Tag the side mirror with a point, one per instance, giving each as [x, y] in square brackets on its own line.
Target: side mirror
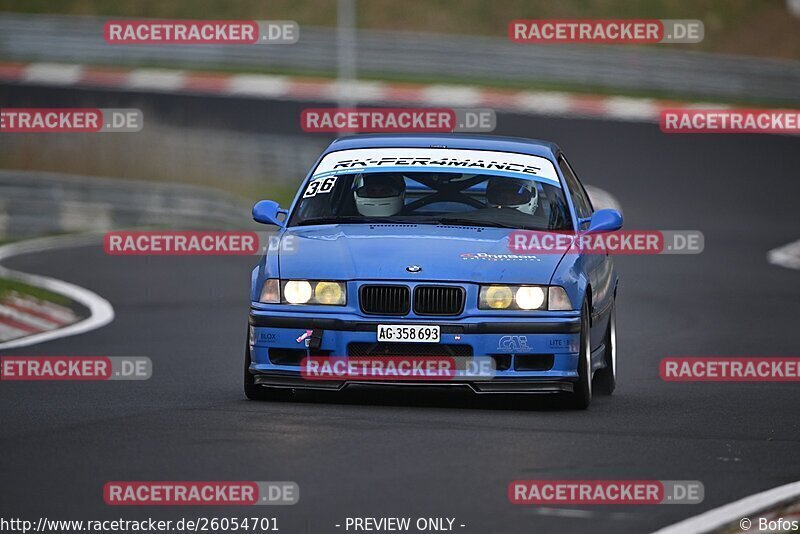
[605, 221]
[269, 212]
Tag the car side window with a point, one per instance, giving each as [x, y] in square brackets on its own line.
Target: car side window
[579, 196]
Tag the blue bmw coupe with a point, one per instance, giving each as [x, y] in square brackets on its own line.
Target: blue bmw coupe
[401, 246]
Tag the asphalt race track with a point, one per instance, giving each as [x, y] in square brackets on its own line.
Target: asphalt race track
[429, 453]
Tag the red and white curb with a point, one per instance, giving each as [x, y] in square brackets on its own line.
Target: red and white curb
[362, 92]
[741, 511]
[27, 321]
[23, 315]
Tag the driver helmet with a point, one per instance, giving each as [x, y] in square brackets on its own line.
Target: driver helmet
[380, 194]
[521, 195]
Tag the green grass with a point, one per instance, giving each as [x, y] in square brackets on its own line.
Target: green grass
[7, 286]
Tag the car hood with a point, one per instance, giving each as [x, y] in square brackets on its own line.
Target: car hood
[384, 251]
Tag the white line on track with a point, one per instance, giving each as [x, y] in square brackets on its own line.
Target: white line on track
[100, 310]
[565, 512]
[734, 511]
[786, 256]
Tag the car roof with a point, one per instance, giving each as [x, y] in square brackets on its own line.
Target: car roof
[519, 145]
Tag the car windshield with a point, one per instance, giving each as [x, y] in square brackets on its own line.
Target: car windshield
[433, 198]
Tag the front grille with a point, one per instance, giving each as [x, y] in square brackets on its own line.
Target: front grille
[438, 300]
[407, 349]
[384, 300]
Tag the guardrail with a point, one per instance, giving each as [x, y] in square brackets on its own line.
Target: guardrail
[37, 203]
[245, 163]
[456, 57]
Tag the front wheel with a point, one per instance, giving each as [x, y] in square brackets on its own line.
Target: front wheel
[605, 379]
[581, 396]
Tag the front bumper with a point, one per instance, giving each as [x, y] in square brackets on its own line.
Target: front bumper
[533, 354]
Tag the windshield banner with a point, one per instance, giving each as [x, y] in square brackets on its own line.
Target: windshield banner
[437, 159]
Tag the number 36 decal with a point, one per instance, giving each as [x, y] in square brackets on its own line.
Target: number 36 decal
[320, 186]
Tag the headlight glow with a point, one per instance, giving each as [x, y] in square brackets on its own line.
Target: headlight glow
[329, 293]
[323, 292]
[519, 297]
[297, 292]
[530, 297]
[497, 297]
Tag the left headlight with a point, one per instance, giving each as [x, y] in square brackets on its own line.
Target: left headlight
[314, 292]
[525, 298]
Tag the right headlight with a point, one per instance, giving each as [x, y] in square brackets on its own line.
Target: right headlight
[324, 292]
[523, 297]
[331, 293]
[297, 292]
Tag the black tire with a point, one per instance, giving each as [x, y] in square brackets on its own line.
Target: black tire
[605, 379]
[581, 396]
[256, 392]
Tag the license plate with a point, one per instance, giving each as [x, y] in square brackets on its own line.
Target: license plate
[408, 333]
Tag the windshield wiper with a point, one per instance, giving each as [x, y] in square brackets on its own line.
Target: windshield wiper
[354, 219]
[346, 219]
[473, 222]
